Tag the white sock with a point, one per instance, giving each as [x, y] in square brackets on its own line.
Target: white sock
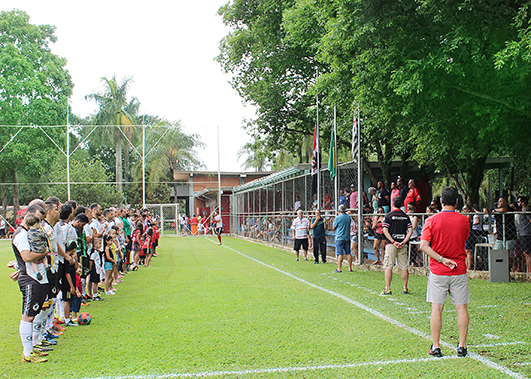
[26, 331]
[61, 309]
[37, 328]
[84, 286]
[49, 319]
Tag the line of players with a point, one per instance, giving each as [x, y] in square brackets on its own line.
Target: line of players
[64, 253]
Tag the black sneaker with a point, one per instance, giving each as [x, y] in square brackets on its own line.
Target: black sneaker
[435, 352]
[461, 351]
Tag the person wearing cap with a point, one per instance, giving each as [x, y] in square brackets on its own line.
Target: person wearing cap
[342, 228]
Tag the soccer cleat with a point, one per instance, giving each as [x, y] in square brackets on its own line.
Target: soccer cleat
[461, 351]
[48, 343]
[39, 353]
[405, 291]
[385, 292]
[58, 328]
[337, 271]
[50, 335]
[42, 348]
[33, 358]
[435, 352]
[70, 323]
[58, 320]
[315, 262]
[98, 298]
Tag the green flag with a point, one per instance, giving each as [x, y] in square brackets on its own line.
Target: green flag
[332, 159]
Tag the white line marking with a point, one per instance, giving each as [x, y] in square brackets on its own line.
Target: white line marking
[491, 336]
[487, 306]
[523, 364]
[487, 362]
[499, 344]
[273, 370]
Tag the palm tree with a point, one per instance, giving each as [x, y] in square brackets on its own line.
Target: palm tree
[116, 110]
[255, 155]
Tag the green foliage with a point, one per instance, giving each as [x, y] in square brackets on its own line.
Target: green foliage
[85, 173]
[34, 88]
[444, 83]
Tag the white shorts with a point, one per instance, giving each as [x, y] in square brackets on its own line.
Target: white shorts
[439, 286]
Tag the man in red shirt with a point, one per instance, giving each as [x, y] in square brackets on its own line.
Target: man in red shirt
[443, 240]
[412, 196]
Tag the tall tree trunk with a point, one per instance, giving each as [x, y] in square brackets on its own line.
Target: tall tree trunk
[119, 170]
[16, 205]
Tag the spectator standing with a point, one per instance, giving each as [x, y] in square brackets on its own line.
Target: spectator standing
[342, 238]
[525, 231]
[353, 197]
[412, 196]
[443, 240]
[505, 228]
[379, 237]
[394, 191]
[2, 227]
[300, 229]
[318, 227]
[397, 229]
[402, 190]
[384, 197]
[374, 199]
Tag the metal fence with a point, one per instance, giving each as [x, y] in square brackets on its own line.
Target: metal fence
[266, 215]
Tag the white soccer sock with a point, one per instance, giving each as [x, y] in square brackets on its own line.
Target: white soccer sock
[61, 309]
[49, 319]
[84, 287]
[37, 328]
[26, 331]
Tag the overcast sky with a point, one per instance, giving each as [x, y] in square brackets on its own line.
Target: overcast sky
[167, 47]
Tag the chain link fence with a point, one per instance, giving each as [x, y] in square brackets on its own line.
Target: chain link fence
[265, 213]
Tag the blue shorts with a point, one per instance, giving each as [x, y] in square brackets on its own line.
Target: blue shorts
[107, 266]
[343, 247]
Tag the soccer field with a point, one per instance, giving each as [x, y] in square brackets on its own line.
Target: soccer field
[243, 310]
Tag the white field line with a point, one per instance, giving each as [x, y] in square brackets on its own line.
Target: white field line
[487, 362]
[499, 344]
[273, 370]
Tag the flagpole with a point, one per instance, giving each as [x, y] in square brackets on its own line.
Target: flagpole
[318, 160]
[335, 160]
[360, 190]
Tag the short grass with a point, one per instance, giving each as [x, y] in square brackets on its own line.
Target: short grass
[207, 309]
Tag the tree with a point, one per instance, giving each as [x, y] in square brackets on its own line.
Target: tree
[85, 173]
[269, 72]
[34, 88]
[116, 110]
[255, 154]
[168, 150]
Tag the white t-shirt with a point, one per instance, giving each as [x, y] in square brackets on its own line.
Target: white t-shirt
[301, 227]
[61, 230]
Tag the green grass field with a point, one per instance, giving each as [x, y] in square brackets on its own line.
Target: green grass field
[244, 310]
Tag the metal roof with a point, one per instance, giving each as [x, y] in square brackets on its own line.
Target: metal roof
[270, 179]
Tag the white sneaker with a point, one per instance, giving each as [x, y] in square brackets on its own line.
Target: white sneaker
[110, 293]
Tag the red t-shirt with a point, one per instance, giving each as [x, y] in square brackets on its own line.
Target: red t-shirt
[412, 197]
[447, 232]
[156, 234]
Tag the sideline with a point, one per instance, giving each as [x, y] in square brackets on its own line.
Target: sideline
[487, 362]
[273, 370]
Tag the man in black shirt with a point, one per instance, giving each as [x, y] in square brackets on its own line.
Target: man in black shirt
[397, 229]
[383, 197]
